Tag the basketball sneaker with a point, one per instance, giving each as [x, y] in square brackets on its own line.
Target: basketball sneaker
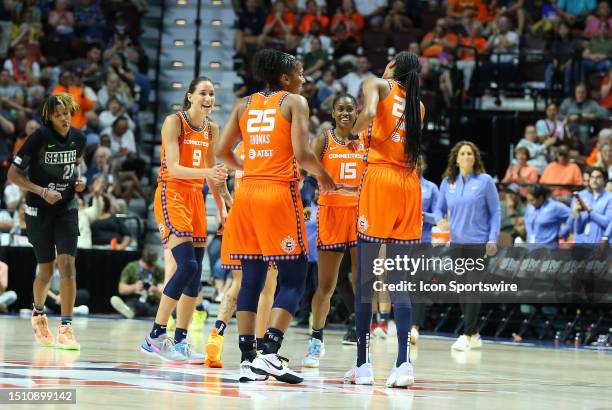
[66, 339]
[462, 343]
[248, 375]
[475, 341]
[213, 349]
[42, 333]
[120, 306]
[276, 366]
[414, 336]
[350, 337]
[186, 350]
[402, 376]
[163, 347]
[316, 350]
[197, 322]
[360, 375]
[381, 330]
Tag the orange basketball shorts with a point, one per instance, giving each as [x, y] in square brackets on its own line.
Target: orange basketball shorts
[266, 222]
[336, 229]
[390, 209]
[180, 211]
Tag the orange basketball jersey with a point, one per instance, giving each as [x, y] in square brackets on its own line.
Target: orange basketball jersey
[266, 136]
[344, 166]
[386, 135]
[193, 147]
[238, 175]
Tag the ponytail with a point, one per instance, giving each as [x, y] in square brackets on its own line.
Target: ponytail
[407, 69]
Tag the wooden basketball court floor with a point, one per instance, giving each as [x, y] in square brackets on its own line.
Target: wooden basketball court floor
[110, 372]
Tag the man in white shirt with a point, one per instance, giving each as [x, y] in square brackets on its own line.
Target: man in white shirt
[372, 10]
[352, 81]
[503, 40]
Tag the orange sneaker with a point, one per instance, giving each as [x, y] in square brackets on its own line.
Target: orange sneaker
[41, 330]
[66, 339]
[213, 349]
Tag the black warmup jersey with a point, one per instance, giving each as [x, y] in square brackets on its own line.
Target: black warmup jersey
[50, 161]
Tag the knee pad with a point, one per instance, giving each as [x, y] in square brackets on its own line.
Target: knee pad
[193, 286]
[254, 274]
[291, 283]
[186, 270]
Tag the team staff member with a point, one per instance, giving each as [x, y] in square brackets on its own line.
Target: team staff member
[469, 195]
[45, 168]
[544, 217]
[591, 223]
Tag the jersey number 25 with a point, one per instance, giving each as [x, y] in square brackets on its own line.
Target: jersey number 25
[261, 120]
[398, 106]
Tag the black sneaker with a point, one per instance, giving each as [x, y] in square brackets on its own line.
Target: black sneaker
[275, 366]
[350, 337]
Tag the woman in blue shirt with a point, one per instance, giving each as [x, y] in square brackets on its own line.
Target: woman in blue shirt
[544, 216]
[470, 197]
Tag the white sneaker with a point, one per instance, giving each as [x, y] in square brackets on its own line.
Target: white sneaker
[82, 310]
[316, 350]
[274, 365]
[121, 307]
[414, 336]
[462, 344]
[248, 375]
[402, 376]
[475, 341]
[360, 375]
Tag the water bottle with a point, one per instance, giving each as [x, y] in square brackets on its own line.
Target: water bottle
[577, 340]
[557, 338]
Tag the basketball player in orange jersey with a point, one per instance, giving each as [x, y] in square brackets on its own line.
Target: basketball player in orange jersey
[187, 159]
[389, 209]
[336, 216]
[214, 345]
[267, 221]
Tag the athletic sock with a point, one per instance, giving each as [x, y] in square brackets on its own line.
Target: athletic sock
[317, 334]
[383, 317]
[66, 320]
[363, 336]
[403, 321]
[157, 331]
[180, 334]
[220, 325]
[272, 341]
[38, 311]
[247, 346]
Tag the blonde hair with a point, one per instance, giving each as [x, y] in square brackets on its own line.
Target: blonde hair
[59, 100]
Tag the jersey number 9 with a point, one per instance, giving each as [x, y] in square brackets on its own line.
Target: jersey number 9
[197, 157]
[261, 120]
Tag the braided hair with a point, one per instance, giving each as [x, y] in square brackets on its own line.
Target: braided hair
[268, 65]
[52, 103]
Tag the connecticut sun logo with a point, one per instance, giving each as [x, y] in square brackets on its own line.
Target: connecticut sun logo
[162, 229]
[288, 244]
[395, 137]
[362, 223]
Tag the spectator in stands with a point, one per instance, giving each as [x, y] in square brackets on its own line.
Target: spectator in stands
[604, 137]
[27, 26]
[114, 109]
[140, 287]
[89, 93]
[7, 129]
[7, 297]
[100, 167]
[595, 23]
[477, 44]
[544, 216]
[61, 19]
[605, 158]
[23, 67]
[122, 138]
[457, 9]
[596, 55]
[35, 96]
[279, 28]
[511, 207]
[6, 25]
[439, 40]
[575, 12]
[349, 18]
[54, 297]
[538, 152]
[88, 214]
[327, 88]
[127, 72]
[503, 40]
[315, 32]
[12, 99]
[89, 20]
[312, 14]
[590, 222]
[249, 27]
[564, 51]
[548, 18]
[67, 85]
[397, 20]
[511, 9]
[521, 172]
[12, 196]
[352, 81]
[108, 229]
[372, 11]
[562, 172]
[581, 111]
[315, 60]
[31, 126]
[606, 91]
[114, 87]
[551, 126]
[90, 66]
